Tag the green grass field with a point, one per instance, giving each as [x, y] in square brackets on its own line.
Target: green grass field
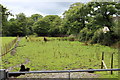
[59, 55]
[5, 40]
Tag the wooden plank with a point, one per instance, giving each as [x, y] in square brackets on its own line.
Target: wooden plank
[104, 64]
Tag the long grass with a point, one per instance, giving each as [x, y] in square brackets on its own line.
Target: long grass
[5, 40]
[60, 55]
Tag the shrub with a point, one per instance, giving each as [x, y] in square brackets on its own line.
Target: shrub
[85, 34]
[103, 38]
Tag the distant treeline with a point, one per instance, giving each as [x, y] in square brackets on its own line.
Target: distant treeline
[84, 21]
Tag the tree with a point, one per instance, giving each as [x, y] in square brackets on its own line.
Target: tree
[14, 29]
[36, 17]
[30, 23]
[90, 17]
[4, 13]
[22, 23]
[18, 26]
[54, 24]
[74, 18]
[102, 15]
[41, 27]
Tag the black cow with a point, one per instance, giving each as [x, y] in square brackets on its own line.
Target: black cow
[23, 68]
[45, 39]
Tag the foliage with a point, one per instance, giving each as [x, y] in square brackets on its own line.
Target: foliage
[116, 28]
[50, 25]
[4, 13]
[41, 27]
[85, 34]
[90, 17]
[14, 28]
[36, 17]
[103, 38]
[55, 26]
[18, 26]
[30, 22]
[73, 18]
[80, 19]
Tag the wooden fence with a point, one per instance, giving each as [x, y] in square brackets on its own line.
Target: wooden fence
[103, 65]
[6, 47]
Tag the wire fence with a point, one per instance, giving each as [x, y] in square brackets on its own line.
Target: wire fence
[6, 47]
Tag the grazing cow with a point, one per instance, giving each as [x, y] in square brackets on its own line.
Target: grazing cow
[45, 39]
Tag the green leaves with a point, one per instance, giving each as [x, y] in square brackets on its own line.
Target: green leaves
[4, 13]
[89, 17]
[76, 20]
[74, 17]
[41, 27]
[36, 17]
[48, 25]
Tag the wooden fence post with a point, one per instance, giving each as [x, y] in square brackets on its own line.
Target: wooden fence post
[5, 47]
[102, 60]
[112, 63]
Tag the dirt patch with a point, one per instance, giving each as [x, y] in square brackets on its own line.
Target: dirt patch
[61, 75]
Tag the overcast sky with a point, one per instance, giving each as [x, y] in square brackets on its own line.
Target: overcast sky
[44, 7]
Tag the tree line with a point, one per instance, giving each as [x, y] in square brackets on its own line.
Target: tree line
[85, 21]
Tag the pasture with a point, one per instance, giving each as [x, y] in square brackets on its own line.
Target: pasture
[6, 40]
[56, 54]
[3, 41]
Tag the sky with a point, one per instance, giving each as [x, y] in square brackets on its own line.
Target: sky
[43, 7]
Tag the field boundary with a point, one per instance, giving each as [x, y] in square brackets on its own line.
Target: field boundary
[8, 47]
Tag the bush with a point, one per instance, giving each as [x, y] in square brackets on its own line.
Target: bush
[103, 38]
[98, 35]
[85, 34]
[72, 37]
